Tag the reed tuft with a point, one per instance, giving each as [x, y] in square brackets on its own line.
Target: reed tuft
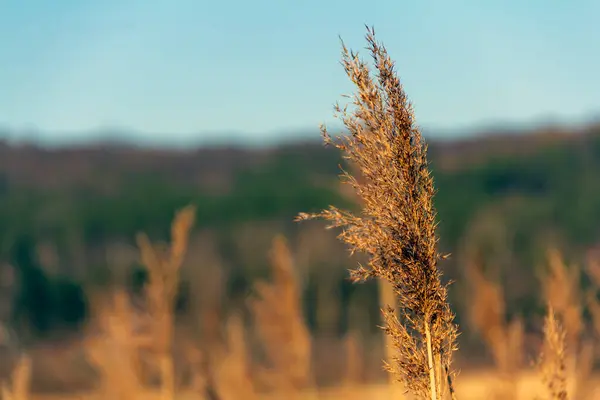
[278, 314]
[397, 225]
[552, 362]
[232, 377]
[163, 264]
[504, 339]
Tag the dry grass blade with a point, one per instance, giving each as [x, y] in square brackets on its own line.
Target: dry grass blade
[397, 225]
[562, 291]
[552, 362]
[487, 315]
[114, 352]
[232, 379]
[163, 264]
[277, 310]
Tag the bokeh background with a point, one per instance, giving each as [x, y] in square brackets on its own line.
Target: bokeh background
[115, 114]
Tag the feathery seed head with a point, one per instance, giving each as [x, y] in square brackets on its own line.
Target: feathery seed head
[398, 221]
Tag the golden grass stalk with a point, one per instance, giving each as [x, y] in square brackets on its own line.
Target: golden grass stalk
[397, 225]
[552, 362]
[163, 264]
[563, 293]
[18, 389]
[279, 321]
[231, 376]
[114, 351]
[505, 340]
[388, 300]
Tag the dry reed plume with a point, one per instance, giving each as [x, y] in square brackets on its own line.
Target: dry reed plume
[552, 361]
[396, 228]
[279, 321]
[562, 291]
[204, 316]
[231, 376]
[505, 340]
[115, 351]
[163, 264]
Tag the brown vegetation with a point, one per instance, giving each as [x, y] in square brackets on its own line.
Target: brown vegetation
[398, 221]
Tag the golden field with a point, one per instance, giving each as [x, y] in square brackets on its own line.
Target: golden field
[472, 386]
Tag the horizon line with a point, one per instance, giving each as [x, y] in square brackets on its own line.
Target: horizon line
[130, 137]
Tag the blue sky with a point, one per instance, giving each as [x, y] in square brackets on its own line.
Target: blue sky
[179, 70]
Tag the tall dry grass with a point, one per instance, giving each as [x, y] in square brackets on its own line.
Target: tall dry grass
[232, 375]
[564, 296]
[163, 264]
[116, 351]
[553, 358]
[279, 322]
[397, 225]
[503, 338]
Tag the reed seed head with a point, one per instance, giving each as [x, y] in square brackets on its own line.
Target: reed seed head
[397, 225]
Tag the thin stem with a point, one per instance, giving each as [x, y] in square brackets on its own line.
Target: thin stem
[432, 380]
[450, 383]
[438, 374]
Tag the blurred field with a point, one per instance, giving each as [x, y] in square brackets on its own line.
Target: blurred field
[473, 386]
[72, 245]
